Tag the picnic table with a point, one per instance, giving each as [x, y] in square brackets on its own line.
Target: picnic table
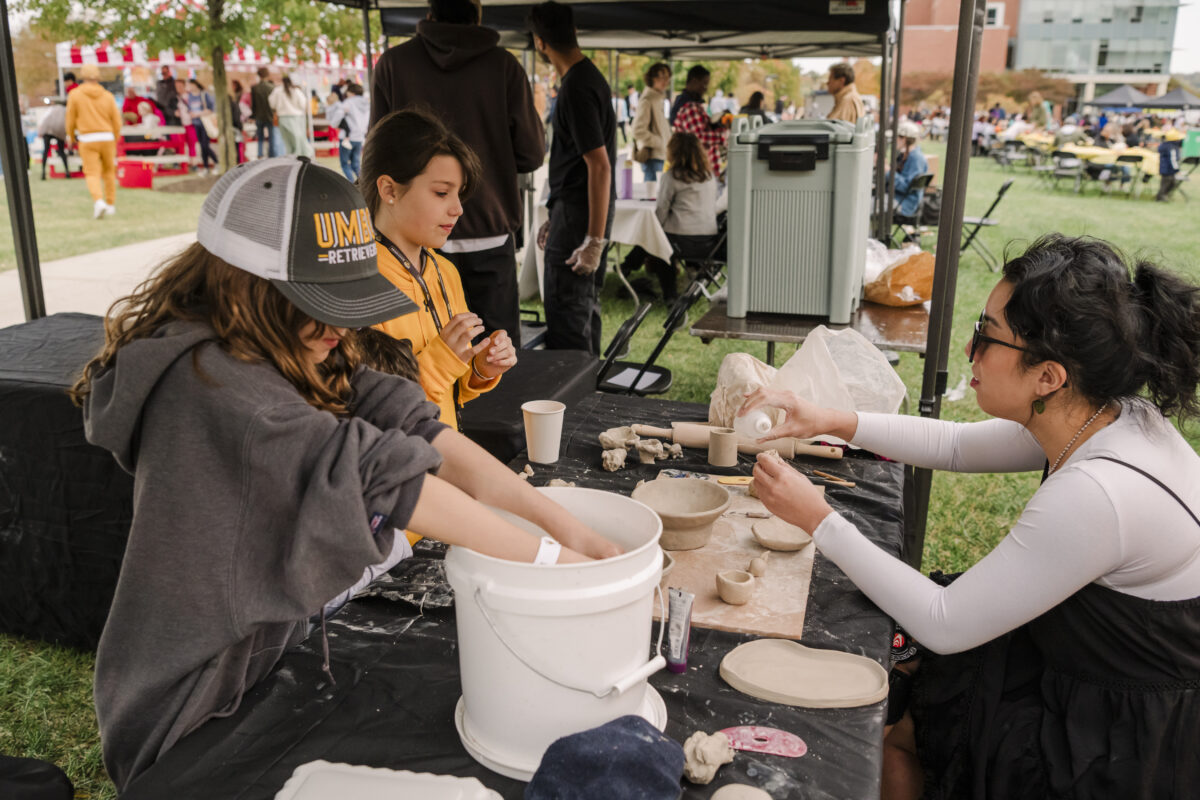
[394, 657]
[888, 328]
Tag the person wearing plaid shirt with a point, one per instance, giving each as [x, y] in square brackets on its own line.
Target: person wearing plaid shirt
[690, 116]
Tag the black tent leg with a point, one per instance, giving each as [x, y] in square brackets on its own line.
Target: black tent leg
[16, 179]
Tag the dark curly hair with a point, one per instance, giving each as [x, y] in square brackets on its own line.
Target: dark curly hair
[1074, 302]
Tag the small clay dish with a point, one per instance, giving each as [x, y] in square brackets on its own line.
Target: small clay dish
[688, 507]
[735, 586]
[668, 563]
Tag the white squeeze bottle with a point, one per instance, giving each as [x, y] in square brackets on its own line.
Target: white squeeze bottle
[754, 425]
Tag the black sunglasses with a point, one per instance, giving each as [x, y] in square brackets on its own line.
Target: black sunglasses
[979, 337]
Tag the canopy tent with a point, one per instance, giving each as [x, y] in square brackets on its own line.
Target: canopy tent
[1124, 96]
[1176, 98]
[687, 29]
[69, 55]
[677, 29]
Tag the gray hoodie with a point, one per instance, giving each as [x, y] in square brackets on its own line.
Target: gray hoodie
[251, 510]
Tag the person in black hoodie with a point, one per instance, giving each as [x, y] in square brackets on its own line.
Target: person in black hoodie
[271, 468]
[455, 68]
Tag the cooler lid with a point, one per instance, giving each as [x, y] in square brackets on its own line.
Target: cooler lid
[800, 131]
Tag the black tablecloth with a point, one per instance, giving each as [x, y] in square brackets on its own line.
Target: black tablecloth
[65, 506]
[395, 662]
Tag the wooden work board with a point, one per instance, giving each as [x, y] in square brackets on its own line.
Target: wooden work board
[781, 594]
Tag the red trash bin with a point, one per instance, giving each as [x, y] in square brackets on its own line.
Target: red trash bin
[135, 175]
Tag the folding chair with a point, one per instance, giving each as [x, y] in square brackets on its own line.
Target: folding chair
[1036, 158]
[630, 377]
[709, 266]
[975, 224]
[1069, 166]
[533, 329]
[1134, 162]
[919, 183]
[1184, 177]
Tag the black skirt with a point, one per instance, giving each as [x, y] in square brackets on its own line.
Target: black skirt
[1097, 698]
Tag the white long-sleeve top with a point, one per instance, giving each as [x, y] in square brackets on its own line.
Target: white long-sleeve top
[1091, 521]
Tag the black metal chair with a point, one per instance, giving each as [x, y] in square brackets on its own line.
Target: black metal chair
[1134, 164]
[533, 329]
[1184, 177]
[972, 226]
[644, 378]
[911, 227]
[1067, 166]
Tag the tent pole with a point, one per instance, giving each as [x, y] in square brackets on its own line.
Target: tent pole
[366, 8]
[882, 225]
[945, 272]
[16, 179]
[890, 197]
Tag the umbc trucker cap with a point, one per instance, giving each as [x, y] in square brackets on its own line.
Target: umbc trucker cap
[307, 230]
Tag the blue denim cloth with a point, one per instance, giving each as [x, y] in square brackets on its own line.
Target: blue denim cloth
[626, 759]
[651, 168]
[907, 198]
[350, 154]
[269, 134]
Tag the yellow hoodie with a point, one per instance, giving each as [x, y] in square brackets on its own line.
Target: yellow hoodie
[440, 367]
[92, 109]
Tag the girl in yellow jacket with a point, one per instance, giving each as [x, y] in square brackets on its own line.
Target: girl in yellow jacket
[414, 176]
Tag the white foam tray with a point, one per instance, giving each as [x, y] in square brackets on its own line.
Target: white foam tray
[322, 780]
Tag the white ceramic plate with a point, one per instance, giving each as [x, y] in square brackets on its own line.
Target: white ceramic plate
[322, 780]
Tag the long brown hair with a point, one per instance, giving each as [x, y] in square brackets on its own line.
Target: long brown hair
[252, 320]
[689, 162]
[402, 144]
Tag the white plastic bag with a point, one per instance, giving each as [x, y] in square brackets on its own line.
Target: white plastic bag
[841, 369]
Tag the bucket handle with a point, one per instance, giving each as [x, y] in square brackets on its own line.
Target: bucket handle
[617, 688]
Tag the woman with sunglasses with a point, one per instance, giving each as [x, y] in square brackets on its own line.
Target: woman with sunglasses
[1076, 642]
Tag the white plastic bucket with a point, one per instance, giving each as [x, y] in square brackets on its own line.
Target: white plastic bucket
[550, 650]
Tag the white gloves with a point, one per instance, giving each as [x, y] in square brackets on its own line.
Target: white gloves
[585, 260]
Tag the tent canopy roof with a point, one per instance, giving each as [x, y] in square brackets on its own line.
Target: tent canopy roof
[1176, 98]
[686, 29]
[1121, 96]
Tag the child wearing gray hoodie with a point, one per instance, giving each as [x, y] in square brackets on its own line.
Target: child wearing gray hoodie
[270, 467]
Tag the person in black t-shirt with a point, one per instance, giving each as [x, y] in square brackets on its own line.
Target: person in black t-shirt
[582, 195]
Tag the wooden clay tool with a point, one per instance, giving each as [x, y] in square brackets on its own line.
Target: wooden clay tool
[695, 434]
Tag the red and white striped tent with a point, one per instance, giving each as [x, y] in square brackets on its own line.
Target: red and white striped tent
[71, 55]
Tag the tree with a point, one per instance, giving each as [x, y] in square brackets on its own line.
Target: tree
[33, 59]
[297, 28]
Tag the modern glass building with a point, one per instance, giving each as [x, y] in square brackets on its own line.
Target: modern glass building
[1098, 44]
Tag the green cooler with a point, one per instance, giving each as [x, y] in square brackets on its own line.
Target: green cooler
[799, 207]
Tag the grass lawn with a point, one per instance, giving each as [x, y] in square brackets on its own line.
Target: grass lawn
[45, 692]
[62, 212]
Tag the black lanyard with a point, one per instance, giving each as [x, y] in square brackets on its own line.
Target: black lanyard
[429, 304]
[420, 278]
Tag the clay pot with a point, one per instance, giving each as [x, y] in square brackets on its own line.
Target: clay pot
[688, 507]
[668, 563]
[735, 586]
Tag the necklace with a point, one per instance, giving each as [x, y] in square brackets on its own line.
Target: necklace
[1075, 438]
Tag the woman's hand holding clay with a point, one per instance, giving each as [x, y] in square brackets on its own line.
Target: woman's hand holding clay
[789, 495]
[802, 419]
[460, 331]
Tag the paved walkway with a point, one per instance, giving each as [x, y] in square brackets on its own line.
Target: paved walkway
[90, 282]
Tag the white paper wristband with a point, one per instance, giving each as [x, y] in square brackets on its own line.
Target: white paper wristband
[548, 550]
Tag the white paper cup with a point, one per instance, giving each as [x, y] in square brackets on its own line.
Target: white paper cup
[543, 429]
[651, 190]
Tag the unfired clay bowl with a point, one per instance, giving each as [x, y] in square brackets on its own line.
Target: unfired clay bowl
[668, 563]
[735, 586]
[688, 507]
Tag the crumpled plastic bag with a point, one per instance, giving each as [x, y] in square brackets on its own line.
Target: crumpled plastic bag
[905, 282]
[841, 369]
[740, 374]
[879, 258]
